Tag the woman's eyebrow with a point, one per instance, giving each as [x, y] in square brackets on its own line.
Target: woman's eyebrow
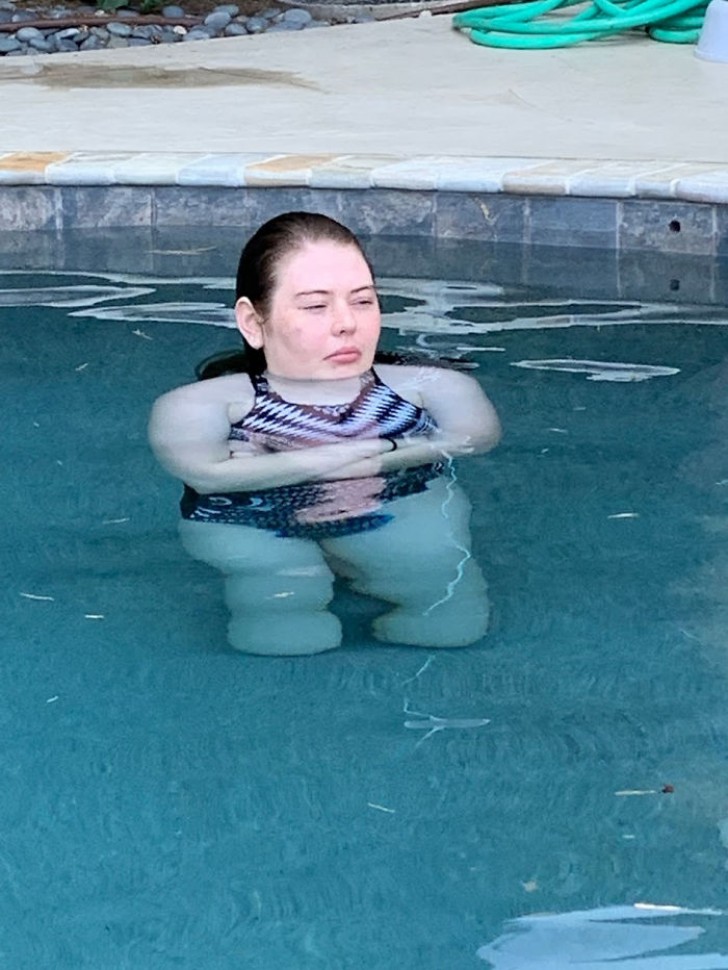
[358, 289]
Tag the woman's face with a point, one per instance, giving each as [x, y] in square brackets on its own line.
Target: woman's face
[324, 318]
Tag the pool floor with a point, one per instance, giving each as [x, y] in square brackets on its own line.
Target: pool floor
[168, 802]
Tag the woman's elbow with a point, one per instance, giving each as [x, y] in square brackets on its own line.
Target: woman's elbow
[485, 439]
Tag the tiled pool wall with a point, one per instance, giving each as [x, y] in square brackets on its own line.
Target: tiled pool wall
[184, 252]
[636, 230]
[656, 225]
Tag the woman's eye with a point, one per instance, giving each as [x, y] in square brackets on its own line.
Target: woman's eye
[365, 302]
[315, 306]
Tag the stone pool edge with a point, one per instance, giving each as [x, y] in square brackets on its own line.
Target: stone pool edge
[655, 205]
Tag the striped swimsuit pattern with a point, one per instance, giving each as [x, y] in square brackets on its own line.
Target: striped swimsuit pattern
[274, 424]
[376, 412]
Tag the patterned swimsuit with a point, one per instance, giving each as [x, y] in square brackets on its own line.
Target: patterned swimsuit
[315, 510]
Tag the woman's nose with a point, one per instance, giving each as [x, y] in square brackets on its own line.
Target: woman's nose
[344, 319]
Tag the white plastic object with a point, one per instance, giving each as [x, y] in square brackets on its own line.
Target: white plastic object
[713, 41]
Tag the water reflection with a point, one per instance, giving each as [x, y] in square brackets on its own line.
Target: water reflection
[414, 554]
[608, 937]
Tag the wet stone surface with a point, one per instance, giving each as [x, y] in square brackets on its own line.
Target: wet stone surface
[24, 29]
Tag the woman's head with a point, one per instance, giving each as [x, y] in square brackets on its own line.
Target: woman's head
[305, 298]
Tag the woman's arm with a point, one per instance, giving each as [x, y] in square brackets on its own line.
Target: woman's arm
[467, 421]
[189, 429]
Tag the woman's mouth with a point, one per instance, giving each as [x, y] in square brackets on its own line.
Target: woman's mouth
[347, 355]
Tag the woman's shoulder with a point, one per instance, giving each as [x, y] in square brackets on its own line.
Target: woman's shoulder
[227, 390]
[415, 378]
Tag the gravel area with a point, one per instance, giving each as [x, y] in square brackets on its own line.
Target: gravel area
[43, 29]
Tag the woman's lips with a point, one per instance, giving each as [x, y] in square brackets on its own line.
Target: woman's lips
[347, 355]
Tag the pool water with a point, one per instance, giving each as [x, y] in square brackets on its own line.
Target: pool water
[168, 802]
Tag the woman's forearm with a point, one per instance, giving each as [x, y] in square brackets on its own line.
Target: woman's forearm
[247, 473]
[411, 452]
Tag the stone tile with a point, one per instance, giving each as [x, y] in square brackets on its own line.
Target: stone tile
[211, 251]
[585, 273]
[123, 252]
[662, 183]
[675, 227]
[225, 170]
[177, 206]
[349, 171]
[474, 259]
[721, 231]
[709, 186]
[31, 250]
[572, 222]
[262, 204]
[401, 255]
[412, 173]
[665, 277]
[547, 178]
[486, 217]
[97, 206]
[478, 174]
[611, 179]
[154, 168]
[27, 168]
[285, 170]
[720, 278]
[34, 207]
[87, 168]
[386, 211]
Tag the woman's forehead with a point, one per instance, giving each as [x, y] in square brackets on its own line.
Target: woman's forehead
[323, 265]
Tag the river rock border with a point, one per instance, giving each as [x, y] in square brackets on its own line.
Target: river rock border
[22, 31]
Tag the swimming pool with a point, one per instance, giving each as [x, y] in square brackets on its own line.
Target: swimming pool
[168, 802]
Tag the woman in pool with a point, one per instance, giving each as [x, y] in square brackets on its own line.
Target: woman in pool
[314, 462]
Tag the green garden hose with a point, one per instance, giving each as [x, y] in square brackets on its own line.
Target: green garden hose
[527, 26]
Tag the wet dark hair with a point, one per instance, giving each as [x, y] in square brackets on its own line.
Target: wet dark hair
[278, 238]
[272, 242]
[256, 279]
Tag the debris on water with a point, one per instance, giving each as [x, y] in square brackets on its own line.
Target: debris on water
[467, 348]
[140, 333]
[421, 671]
[624, 515]
[81, 367]
[114, 521]
[93, 616]
[433, 724]
[600, 370]
[668, 789]
[382, 808]
[37, 596]
[53, 699]
[637, 791]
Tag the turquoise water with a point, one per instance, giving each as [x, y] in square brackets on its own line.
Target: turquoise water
[167, 802]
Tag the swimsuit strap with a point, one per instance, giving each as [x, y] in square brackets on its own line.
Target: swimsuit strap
[260, 384]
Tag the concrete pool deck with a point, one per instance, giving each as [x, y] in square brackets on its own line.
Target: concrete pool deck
[408, 105]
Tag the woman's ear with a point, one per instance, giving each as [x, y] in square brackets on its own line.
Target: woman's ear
[249, 322]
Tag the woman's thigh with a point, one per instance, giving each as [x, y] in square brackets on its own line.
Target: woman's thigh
[429, 530]
[241, 548]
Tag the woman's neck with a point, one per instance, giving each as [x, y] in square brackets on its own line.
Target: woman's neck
[304, 391]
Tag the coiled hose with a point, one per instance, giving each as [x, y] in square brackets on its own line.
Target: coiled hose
[528, 27]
